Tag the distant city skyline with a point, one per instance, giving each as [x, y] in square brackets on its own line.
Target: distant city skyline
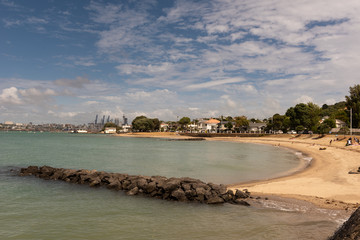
[67, 61]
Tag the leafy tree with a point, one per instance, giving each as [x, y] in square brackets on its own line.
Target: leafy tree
[156, 123]
[278, 122]
[305, 115]
[228, 125]
[326, 126]
[299, 128]
[184, 121]
[144, 124]
[241, 122]
[353, 102]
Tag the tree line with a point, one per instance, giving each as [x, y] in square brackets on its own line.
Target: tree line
[302, 117]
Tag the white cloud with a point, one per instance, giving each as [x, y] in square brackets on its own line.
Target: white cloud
[213, 83]
[10, 96]
[304, 99]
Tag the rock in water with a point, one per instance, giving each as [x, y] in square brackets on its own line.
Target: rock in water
[350, 230]
[176, 189]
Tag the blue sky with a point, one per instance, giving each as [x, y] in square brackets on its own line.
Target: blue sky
[66, 61]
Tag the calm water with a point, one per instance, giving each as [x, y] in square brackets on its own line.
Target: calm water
[31, 208]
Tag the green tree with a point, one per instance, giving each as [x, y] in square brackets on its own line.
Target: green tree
[144, 124]
[156, 123]
[228, 125]
[353, 102]
[326, 126]
[184, 121]
[278, 122]
[241, 122]
[305, 115]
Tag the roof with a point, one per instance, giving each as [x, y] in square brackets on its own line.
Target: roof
[212, 121]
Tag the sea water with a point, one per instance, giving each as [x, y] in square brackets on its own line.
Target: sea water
[32, 208]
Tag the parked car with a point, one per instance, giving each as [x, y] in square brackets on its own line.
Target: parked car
[291, 132]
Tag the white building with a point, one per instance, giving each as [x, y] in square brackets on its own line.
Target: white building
[110, 130]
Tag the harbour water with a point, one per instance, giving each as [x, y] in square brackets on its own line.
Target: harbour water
[32, 208]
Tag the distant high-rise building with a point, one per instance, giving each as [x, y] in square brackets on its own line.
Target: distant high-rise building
[103, 120]
[125, 120]
[117, 121]
[108, 119]
[96, 119]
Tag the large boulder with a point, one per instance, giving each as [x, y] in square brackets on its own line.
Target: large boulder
[179, 195]
[172, 184]
[350, 230]
[31, 170]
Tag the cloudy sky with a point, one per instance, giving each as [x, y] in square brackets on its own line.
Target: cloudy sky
[66, 61]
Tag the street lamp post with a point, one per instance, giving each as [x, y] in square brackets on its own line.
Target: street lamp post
[350, 121]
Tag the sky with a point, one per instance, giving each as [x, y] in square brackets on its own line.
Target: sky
[67, 61]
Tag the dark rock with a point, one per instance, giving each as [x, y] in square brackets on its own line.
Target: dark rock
[178, 189]
[95, 182]
[241, 194]
[142, 183]
[31, 170]
[215, 187]
[190, 194]
[179, 195]
[215, 200]
[200, 191]
[171, 184]
[222, 189]
[133, 191]
[350, 230]
[186, 186]
[150, 187]
[114, 184]
[241, 202]
[228, 197]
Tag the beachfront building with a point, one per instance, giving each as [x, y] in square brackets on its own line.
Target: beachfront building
[193, 128]
[164, 127]
[256, 127]
[223, 127]
[125, 128]
[110, 130]
[208, 126]
[339, 123]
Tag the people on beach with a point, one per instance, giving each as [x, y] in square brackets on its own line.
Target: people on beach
[349, 142]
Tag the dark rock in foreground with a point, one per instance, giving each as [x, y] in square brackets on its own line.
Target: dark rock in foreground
[176, 189]
[350, 230]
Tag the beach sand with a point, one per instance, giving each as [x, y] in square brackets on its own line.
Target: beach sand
[325, 181]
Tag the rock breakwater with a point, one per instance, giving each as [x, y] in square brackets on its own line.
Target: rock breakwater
[176, 189]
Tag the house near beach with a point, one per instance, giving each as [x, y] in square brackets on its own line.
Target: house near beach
[256, 127]
[223, 127]
[110, 130]
[208, 126]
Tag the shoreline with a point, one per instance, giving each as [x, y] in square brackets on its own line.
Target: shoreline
[324, 182]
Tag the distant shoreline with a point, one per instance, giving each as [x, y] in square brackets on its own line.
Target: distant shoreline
[324, 182]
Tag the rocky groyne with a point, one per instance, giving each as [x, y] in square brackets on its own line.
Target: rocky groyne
[175, 189]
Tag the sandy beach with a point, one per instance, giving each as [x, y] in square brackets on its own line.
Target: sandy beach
[325, 181]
